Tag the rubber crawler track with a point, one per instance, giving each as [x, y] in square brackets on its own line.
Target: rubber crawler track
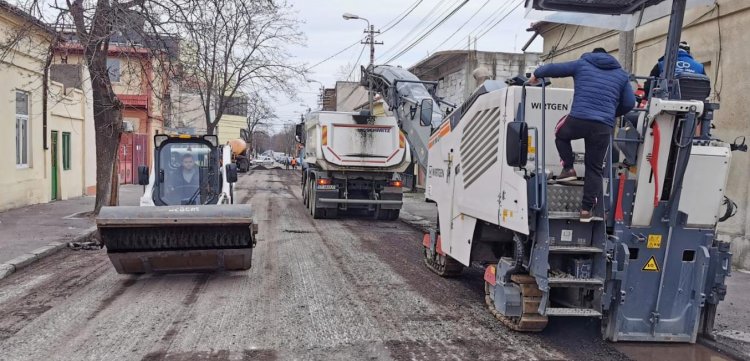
[530, 320]
[442, 265]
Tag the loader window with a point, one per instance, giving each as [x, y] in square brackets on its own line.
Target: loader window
[182, 165]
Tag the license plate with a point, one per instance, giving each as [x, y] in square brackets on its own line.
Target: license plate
[327, 187]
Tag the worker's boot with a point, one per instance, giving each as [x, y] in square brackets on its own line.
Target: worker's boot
[567, 175]
[586, 216]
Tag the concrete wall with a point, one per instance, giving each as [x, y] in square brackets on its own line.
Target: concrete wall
[349, 95]
[716, 36]
[454, 70]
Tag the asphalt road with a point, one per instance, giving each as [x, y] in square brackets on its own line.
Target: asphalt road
[346, 289]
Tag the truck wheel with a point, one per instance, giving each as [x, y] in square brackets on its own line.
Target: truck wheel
[394, 213]
[243, 165]
[305, 197]
[317, 213]
[382, 214]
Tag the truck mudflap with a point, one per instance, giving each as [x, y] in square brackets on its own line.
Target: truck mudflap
[178, 238]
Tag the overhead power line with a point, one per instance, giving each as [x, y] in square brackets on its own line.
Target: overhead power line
[415, 28]
[500, 21]
[400, 18]
[462, 25]
[488, 20]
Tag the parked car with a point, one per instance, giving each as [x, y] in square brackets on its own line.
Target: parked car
[264, 161]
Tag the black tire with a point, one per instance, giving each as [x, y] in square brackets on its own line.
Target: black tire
[317, 213]
[243, 165]
[332, 213]
[305, 195]
[382, 214]
[394, 214]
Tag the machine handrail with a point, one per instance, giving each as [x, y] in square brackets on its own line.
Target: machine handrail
[540, 181]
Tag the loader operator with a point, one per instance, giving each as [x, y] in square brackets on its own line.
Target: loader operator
[602, 92]
[185, 181]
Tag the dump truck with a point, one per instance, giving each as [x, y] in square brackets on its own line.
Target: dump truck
[352, 161]
[649, 265]
[187, 219]
[239, 154]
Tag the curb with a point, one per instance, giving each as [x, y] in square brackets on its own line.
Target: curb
[24, 260]
[721, 347]
[417, 222]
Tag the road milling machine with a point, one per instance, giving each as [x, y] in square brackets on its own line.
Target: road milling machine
[650, 266]
[187, 219]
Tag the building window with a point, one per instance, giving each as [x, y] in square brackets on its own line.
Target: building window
[113, 67]
[66, 150]
[22, 129]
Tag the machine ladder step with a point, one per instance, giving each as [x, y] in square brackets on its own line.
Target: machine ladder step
[573, 216]
[574, 249]
[574, 282]
[572, 312]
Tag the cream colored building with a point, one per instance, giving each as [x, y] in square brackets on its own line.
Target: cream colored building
[43, 141]
[233, 120]
[716, 35]
[229, 127]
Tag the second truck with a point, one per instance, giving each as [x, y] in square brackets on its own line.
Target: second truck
[352, 161]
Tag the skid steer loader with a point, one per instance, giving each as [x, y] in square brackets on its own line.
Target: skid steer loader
[186, 220]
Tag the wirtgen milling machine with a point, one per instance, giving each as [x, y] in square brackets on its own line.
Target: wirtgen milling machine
[651, 268]
[187, 220]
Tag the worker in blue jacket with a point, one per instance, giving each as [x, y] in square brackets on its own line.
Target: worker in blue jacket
[685, 64]
[602, 92]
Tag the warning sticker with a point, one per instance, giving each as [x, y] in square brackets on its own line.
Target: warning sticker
[566, 235]
[654, 241]
[532, 148]
[651, 265]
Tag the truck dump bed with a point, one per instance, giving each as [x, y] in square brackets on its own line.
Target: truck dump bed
[335, 140]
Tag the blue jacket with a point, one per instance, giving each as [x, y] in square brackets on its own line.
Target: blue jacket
[602, 88]
[685, 64]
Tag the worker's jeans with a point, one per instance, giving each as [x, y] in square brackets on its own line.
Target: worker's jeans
[596, 137]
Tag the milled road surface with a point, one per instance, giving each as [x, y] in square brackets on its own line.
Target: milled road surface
[346, 289]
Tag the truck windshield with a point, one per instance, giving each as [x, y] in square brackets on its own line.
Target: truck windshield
[180, 163]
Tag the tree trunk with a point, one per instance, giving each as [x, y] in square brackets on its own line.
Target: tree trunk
[108, 124]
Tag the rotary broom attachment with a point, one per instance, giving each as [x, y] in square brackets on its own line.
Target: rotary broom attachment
[178, 238]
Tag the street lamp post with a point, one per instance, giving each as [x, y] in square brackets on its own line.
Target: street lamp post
[370, 40]
[321, 96]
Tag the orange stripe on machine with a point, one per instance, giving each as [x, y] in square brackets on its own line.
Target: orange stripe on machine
[444, 130]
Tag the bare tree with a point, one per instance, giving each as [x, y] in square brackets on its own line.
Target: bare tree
[94, 29]
[234, 47]
[259, 112]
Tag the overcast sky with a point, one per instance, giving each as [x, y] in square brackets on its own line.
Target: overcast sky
[327, 33]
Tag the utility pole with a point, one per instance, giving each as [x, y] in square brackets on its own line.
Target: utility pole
[372, 42]
[369, 40]
[625, 54]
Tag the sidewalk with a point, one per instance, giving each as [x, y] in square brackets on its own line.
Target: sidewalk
[732, 325]
[25, 229]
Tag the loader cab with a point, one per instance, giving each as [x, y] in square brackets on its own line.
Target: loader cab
[187, 170]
